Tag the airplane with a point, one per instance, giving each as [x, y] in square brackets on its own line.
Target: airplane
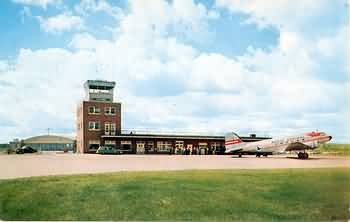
[299, 143]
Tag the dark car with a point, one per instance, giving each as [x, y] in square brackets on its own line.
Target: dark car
[26, 149]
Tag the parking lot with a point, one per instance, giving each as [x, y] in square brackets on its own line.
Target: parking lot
[26, 165]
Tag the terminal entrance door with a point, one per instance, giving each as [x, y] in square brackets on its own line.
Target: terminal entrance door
[203, 147]
[140, 147]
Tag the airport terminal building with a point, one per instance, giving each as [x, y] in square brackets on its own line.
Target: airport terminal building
[99, 124]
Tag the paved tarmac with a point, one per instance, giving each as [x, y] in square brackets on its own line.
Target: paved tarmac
[27, 165]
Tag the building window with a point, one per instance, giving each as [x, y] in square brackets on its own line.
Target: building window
[179, 144]
[125, 145]
[203, 145]
[110, 143]
[164, 146]
[94, 125]
[150, 145]
[110, 110]
[215, 145]
[94, 110]
[113, 128]
[94, 144]
[107, 128]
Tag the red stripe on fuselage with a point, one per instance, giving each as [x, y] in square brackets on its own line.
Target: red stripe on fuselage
[231, 142]
[313, 134]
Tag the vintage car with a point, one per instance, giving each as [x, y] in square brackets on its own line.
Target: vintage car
[26, 149]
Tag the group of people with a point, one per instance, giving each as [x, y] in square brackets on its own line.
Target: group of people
[194, 151]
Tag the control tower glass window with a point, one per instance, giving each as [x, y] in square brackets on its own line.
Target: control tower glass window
[98, 90]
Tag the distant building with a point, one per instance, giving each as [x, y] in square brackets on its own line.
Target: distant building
[46, 143]
[99, 124]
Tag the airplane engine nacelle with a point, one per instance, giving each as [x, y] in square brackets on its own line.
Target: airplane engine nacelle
[259, 148]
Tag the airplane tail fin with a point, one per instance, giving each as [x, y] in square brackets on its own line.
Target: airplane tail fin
[233, 142]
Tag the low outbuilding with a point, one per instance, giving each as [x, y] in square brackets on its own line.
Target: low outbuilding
[50, 143]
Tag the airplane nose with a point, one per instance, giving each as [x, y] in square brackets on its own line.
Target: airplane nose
[330, 137]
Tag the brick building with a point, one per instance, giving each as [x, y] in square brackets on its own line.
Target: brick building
[97, 115]
[99, 124]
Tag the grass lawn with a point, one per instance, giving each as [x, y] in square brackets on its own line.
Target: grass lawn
[248, 195]
[334, 149]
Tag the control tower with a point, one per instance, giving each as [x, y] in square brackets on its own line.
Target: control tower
[99, 90]
[97, 115]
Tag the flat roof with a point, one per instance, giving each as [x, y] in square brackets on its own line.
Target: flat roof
[194, 137]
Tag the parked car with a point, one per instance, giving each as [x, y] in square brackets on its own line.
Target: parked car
[26, 149]
[107, 150]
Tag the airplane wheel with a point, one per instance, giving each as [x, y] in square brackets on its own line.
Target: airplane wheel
[300, 155]
[239, 155]
[257, 155]
[303, 155]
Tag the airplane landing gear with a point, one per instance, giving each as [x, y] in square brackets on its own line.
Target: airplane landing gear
[239, 155]
[258, 155]
[303, 155]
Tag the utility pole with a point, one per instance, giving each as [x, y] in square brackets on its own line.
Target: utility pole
[48, 131]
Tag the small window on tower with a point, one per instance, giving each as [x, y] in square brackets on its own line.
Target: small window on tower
[94, 125]
[113, 126]
[94, 110]
[97, 125]
[110, 110]
[91, 125]
[113, 110]
[106, 128]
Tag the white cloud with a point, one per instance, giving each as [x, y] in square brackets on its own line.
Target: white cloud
[296, 16]
[166, 84]
[41, 3]
[92, 6]
[161, 18]
[60, 23]
[3, 65]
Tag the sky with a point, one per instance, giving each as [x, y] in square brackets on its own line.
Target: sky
[273, 68]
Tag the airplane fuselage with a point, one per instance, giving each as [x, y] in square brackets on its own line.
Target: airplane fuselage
[280, 145]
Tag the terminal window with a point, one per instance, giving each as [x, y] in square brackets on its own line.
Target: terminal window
[125, 145]
[94, 144]
[164, 145]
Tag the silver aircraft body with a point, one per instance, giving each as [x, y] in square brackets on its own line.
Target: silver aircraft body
[298, 143]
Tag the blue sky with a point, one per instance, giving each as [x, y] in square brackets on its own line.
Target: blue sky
[262, 67]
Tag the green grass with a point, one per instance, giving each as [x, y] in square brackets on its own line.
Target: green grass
[334, 149]
[246, 195]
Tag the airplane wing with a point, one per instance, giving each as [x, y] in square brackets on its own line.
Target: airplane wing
[298, 146]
